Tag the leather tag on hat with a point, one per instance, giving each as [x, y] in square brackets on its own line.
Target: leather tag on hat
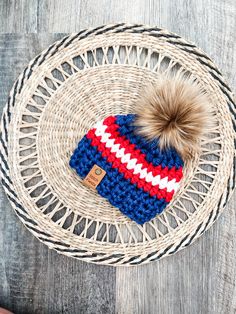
[94, 177]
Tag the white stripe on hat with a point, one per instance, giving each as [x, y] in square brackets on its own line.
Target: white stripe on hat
[100, 130]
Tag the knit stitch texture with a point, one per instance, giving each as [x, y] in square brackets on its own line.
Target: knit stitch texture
[140, 179]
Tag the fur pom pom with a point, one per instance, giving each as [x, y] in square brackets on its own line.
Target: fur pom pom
[176, 110]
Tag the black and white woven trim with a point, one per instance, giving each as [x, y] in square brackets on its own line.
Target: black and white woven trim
[47, 238]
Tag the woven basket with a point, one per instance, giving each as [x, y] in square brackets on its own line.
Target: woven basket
[59, 96]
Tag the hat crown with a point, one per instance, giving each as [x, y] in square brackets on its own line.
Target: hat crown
[140, 178]
[167, 157]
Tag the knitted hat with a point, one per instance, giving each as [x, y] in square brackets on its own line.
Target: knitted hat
[140, 179]
[131, 159]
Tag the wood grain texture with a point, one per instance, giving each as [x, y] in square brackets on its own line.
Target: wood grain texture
[33, 279]
[202, 278]
[18, 16]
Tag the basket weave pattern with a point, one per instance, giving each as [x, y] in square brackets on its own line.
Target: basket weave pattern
[67, 88]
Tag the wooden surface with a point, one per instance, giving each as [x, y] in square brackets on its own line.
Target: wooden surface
[33, 279]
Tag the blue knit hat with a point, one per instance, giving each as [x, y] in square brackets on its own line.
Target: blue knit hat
[140, 179]
[136, 161]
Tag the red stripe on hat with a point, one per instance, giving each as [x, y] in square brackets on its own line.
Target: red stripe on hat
[130, 148]
[128, 173]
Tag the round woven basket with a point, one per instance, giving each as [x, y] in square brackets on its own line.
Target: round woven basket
[55, 101]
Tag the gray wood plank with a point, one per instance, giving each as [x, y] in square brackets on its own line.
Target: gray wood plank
[34, 279]
[72, 15]
[225, 271]
[200, 279]
[18, 16]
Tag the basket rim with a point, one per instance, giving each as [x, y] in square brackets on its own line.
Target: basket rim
[6, 119]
